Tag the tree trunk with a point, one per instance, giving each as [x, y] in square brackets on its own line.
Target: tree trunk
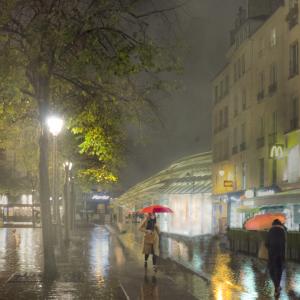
[47, 228]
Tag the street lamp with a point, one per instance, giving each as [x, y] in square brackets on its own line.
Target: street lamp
[67, 203]
[55, 125]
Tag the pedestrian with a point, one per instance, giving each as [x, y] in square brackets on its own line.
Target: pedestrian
[151, 240]
[276, 244]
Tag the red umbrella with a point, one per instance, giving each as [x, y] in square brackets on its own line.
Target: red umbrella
[261, 222]
[156, 209]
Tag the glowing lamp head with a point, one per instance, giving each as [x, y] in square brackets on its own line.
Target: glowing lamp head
[55, 125]
[68, 165]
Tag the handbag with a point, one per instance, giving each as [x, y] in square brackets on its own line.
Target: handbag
[263, 251]
[149, 237]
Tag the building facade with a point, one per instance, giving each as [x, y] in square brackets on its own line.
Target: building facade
[256, 136]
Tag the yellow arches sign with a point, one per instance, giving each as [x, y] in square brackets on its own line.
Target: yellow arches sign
[276, 151]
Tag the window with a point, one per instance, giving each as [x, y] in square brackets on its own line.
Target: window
[226, 117]
[273, 38]
[216, 93]
[221, 119]
[261, 127]
[243, 64]
[244, 179]
[235, 137]
[261, 169]
[292, 3]
[222, 89]
[235, 72]
[235, 106]
[273, 74]
[239, 68]
[294, 113]
[243, 133]
[274, 122]
[226, 84]
[261, 82]
[244, 100]
[294, 62]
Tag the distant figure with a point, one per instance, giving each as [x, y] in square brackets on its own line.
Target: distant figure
[151, 240]
[276, 243]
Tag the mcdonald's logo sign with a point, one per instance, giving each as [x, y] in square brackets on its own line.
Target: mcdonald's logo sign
[276, 151]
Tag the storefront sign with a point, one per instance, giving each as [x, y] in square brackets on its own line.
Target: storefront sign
[276, 151]
[228, 183]
[265, 192]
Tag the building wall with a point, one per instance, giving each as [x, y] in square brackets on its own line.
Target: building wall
[268, 116]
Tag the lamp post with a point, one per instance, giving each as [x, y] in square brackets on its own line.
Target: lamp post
[67, 205]
[55, 125]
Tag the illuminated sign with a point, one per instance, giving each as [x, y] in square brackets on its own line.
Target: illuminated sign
[249, 194]
[276, 151]
[228, 183]
[261, 193]
[100, 197]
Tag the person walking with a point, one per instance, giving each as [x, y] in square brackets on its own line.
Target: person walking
[276, 244]
[151, 240]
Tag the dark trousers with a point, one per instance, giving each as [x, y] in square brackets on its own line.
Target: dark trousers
[153, 256]
[276, 265]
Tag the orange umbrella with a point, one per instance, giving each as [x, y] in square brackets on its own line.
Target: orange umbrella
[156, 209]
[261, 222]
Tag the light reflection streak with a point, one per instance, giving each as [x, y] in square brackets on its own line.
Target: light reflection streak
[99, 258]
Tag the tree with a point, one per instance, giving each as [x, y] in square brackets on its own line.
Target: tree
[83, 59]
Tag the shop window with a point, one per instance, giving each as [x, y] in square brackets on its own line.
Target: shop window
[293, 164]
[261, 169]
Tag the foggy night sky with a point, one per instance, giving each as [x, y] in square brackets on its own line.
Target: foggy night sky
[204, 27]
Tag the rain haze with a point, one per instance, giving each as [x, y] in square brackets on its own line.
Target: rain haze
[203, 26]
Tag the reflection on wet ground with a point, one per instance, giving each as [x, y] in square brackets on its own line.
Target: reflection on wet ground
[231, 275]
[97, 266]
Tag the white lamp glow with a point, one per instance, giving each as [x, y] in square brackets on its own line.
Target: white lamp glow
[68, 164]
[221, 173]
[55, 125]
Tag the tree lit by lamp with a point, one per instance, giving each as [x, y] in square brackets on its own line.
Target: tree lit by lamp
[55, 125]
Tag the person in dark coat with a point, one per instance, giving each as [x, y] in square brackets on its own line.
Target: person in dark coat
[276, 243]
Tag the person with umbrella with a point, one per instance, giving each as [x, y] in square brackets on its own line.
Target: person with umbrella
[276, 244]
[151, 239]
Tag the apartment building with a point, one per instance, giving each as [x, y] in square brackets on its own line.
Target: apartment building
[256, 136]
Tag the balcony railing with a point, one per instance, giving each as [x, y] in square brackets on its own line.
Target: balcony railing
[243, 146]
[272, 88]
[260, 96]
[260, 142]
[292, 16]
[234, 149]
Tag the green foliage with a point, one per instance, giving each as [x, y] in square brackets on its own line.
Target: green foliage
[88, 60]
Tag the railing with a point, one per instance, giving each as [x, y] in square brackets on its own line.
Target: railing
[260, 96]
[234, 149]
[248, 242]
[243, 146]
[260, 142]
[272, 88]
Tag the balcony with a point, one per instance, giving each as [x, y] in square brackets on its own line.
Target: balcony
[294, 124]
[292, 16]
[234, 150]
[243, 146]
[272, 88]
[260, 142]
[260, 96]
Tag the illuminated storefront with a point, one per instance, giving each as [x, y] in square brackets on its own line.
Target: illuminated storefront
[186, 188]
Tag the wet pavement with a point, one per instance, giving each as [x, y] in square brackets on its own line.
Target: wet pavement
[101, 264]
[96, 266]
[230, 275]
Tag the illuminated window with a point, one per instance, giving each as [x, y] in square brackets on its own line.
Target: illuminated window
[273, 40]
